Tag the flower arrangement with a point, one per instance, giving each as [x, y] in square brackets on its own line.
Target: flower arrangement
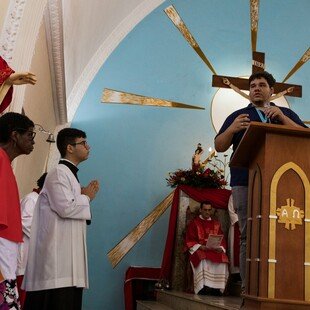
[197, 178]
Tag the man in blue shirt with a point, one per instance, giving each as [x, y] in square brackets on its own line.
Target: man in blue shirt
[260, 109]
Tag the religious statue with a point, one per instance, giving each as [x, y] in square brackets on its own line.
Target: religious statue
[196, 158]
[8, 78]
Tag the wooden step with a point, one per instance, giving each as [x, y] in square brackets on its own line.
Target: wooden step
[151, 305]
[182, 301]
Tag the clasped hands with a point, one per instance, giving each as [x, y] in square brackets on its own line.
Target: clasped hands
[91, 189]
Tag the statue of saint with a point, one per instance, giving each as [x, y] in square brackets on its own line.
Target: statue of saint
[8, 78]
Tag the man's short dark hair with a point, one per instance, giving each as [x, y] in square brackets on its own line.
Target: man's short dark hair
[264, 74]
[12, 121]
[205, 203]
[68, 136]
[41, 180]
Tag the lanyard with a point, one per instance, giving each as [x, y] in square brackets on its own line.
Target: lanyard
[262, 116]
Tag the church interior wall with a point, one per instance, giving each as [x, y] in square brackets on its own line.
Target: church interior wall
[38, 105]
[133, 148]
[4, 4]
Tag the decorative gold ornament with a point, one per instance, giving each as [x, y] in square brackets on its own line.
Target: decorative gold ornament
[290, 215]
[116, 254]
[178, 22]
[254, 10]
[304, 58]
[116, 96]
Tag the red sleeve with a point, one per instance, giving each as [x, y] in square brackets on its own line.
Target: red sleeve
[3, 197]
[5, 72]
[10, 216]
[191, 236]
[220, 232]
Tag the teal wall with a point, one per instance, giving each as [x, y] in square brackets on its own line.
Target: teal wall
[133, 148]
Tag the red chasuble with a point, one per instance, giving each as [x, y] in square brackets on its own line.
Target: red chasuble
[198, 232]
[5, 72]
[10, 216]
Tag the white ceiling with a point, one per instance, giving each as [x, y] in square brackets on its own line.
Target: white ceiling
[91, 31]
[87, 24]
[80, 36]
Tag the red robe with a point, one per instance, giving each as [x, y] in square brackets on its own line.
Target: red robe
[10, 215]
[5, 72]
[198, 232]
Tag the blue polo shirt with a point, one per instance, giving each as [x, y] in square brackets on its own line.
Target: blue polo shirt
[240, 176]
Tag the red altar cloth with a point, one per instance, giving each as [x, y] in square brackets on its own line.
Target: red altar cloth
[218, 198]
[137, 273]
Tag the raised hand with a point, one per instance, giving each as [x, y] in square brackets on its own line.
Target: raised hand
[274, 113]
[240, 123]
[20, 78]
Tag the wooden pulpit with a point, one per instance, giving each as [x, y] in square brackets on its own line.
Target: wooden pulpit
[278, 230]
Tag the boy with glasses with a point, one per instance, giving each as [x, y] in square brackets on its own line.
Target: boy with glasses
[56, 271]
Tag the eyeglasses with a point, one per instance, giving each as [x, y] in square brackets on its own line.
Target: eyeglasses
[30, 133]
[84, 143]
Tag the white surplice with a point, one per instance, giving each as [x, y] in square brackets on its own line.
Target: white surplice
[207, 273]
[27, 205]
[57, 253]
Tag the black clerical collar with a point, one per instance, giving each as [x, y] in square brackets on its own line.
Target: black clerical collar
[74, 169]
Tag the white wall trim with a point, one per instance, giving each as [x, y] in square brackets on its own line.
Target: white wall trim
[22, 27]
[107, 47]
[55, 45]
[10, 28]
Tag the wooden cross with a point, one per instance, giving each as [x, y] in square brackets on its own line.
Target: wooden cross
[258, 65]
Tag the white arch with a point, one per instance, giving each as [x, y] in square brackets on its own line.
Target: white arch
[104, 51]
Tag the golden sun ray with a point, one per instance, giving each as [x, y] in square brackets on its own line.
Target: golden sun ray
[254, 12]
[124, 246]
[178, 22]
[115, 96]
[304, 58]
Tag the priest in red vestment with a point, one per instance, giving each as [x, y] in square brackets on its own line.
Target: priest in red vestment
[209, 261]
[8, 78]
